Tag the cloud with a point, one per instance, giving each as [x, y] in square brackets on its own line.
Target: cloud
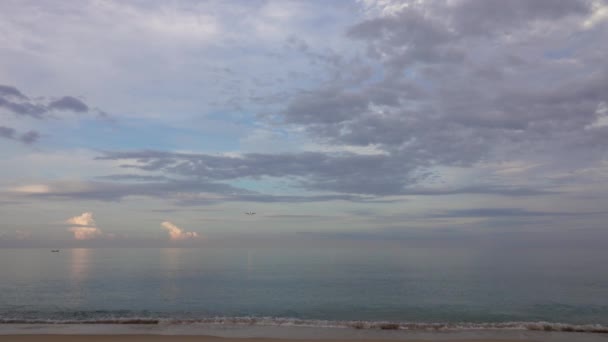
[505, 212]
[85, 219]
[116, 191]
[9, 91]
[14, 101]
[600, 14]
[343, 173]
[23, 107]
[26, 138]
[84, 227]
[85, 233]
[7, 132]
[176, 233]
[32, 189]
[181, 193]
[132, 177]
[69, 103]
[530, 94]
[432, 86]
[349, 176]
[29, 137]
[437, 31]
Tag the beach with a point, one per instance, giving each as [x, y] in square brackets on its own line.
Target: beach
[159, 338]
[216, 333]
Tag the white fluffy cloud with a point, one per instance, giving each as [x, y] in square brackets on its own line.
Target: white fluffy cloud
[85, 233]
[85, 219]
[176, 233]
[84, 227]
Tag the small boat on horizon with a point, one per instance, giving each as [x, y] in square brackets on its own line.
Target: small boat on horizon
[54, 250]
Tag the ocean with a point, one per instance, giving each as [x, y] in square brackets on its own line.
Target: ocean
[353, 288]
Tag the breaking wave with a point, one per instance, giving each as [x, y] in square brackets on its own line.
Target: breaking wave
[296, 322]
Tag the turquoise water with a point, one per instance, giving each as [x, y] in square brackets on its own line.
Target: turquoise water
[490, 287]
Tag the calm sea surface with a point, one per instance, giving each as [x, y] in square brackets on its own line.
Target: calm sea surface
[427, 285]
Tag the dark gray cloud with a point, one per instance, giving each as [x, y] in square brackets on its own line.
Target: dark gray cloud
[181, 193]
[459, 83]
[343, 173]
[504, 212]
[407, 37]
[29, 137]
[110, 191]
[9, 91]
[482, 189]
[17, 103]
[69, 103]
[132, 177]
[325, 106]
[437, 31]
[337, 104]
[7, 132]
[349, 176]
[299, 217]
[330, 58]
[455, 84]
[23, 107]
[489, 16]
[26, 138]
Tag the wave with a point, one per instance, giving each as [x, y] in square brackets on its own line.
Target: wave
[296, 322]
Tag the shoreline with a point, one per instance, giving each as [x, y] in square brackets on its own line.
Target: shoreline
[295, 323]
[217, 333]
[203, 338]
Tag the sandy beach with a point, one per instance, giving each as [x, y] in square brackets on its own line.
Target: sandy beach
[165, 338]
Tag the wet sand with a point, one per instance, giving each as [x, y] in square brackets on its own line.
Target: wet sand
[166, 338]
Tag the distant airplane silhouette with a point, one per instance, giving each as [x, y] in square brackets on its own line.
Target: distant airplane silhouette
[250, 213]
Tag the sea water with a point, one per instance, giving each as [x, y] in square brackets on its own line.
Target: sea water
[357, 288]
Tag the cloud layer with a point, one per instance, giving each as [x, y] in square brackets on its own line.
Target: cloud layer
[439, 110]
[533, 94]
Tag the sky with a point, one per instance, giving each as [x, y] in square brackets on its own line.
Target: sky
[161, 123]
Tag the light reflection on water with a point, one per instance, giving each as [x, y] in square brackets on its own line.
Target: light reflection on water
[79, 264]
[170, 260]
[79, 270]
